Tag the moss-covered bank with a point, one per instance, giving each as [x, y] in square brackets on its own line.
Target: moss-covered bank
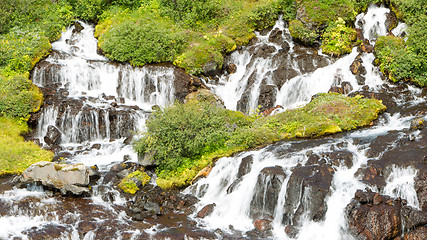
[16, 155]
[185, 138]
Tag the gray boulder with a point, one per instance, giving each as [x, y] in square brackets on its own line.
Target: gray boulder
[67, 178]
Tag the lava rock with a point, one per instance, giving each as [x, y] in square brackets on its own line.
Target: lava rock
[53, 136]
[263, 225]
[206, 210]
[267, 190]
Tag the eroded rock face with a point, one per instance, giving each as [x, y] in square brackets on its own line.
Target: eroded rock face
[374, 216]
[267, 191]
[306, 192]
[53, 136]
[67, 178]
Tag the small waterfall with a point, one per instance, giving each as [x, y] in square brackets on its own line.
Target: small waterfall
[400, 183]
[99, 99]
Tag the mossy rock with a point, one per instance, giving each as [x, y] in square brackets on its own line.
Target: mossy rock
[338, 39]
[302, 33]
[130, 183]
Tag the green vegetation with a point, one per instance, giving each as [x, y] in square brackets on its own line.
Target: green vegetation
[338, 38]
[129, 183]
[302, 33]
[402, 61]
[185, 138]
[16, 155]
[193, 35]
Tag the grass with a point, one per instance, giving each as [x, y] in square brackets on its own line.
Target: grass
[16, 154]
[326, 114]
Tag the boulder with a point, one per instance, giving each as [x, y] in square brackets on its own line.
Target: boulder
[53, 136]
[374, 216]
[266, 194]
[147, 159]
[67, 178]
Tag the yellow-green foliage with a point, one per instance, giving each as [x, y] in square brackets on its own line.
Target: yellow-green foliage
[128, 184]
[191, 34]
[302, 33]
[402, 61]
[19, 96]
[16, 155]
[188, 137]
[337, 38]
[320, 12]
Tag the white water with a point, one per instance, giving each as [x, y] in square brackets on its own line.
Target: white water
[233, 208]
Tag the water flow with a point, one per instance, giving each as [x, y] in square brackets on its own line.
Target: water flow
[244, 187]
[100, 99]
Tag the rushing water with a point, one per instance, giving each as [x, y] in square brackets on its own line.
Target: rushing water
[102, 103]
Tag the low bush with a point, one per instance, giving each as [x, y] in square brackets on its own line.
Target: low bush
[185, 138]
[302, 33]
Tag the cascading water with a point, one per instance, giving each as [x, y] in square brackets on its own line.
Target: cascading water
[304, 184]
[283, 184]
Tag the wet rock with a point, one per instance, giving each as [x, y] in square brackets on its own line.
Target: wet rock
[211, 69]
[374, 216]
[263, 225]
[346, 86]
[96, 146]
[306, 191]
[73, 178]
[231, 68]
[366, 47]
[53, 136]
[77, 28]
[276, 36]
[245, 166]
[412, 217]
[206, 210]
[419, 233]
[267, 190]
[308, 63]
[291, 231]
[372, 175]
[421, 188]
[47, 232]
[356, 67]
[183, 84]
[267, 96]
[282, 74]
[264, 51]
[339, 158]
[391, 21]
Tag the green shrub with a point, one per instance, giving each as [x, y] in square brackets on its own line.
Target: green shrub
[337, 38]
[140, 41]
[19, 97]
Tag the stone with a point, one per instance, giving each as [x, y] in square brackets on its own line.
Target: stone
[267, 96]
[53, 136]
[231, 68]
[245, 166]
[266, 194]
[263, 225]
[206, 210]
[306, 192]
[147, 159]
[66, 178]
[291, 231]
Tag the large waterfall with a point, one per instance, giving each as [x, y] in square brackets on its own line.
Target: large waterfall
[96, 106]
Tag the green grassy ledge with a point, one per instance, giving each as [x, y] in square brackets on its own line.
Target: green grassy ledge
[181, 157]
[16, 155]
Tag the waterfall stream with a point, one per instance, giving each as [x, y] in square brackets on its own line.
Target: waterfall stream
[97, 106]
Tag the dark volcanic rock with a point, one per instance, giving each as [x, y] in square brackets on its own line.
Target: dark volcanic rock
[267, 191]
[306, 192]
[374, 216]
[206, 210]
[267, 96]
[53, 136]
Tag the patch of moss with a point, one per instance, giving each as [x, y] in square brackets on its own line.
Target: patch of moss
[302, 33]
[326, 114]
[338, 39]
[129, 183]
[16, 155]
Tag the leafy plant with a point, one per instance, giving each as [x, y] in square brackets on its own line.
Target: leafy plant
[337, 38]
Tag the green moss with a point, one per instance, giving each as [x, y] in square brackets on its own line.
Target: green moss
[319, 13]
[188, 137]
[16, 155]
[128, 184]
[302, 33]
[338, 39]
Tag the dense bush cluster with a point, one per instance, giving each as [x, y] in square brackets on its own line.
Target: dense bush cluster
[402, 61]
[191, 34]
[184, 138]
[338, 38]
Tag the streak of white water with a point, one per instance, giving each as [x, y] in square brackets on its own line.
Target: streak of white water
[400, 183]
